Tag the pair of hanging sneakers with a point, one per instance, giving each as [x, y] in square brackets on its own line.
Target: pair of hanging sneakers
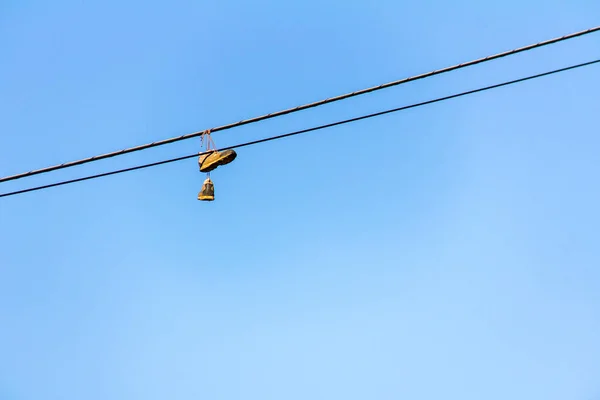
[208, 162]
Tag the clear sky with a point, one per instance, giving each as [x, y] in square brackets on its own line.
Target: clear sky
[446, 252]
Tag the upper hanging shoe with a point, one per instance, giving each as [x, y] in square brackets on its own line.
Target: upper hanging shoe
[210, 161]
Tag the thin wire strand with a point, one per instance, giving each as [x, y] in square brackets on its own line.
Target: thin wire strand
[302, 107]
[254, 142]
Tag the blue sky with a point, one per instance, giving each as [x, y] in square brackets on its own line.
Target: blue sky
[446, 252]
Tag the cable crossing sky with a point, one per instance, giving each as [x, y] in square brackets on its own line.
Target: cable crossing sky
[302, 107]
[343, 122]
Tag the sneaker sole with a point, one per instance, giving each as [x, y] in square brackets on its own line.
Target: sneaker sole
[225, 159]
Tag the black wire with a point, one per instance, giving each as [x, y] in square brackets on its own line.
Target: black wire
[309, 129]
[303, 107]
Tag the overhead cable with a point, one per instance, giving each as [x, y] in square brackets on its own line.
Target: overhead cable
[330, 125]
[300, 108]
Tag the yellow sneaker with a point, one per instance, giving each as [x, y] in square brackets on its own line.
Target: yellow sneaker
[208, 191]
[210, 161]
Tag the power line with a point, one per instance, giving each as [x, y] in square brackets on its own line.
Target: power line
[302, 107]
[437, 100]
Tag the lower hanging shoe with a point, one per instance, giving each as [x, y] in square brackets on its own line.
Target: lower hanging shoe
[208, 191]
[210, 161]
